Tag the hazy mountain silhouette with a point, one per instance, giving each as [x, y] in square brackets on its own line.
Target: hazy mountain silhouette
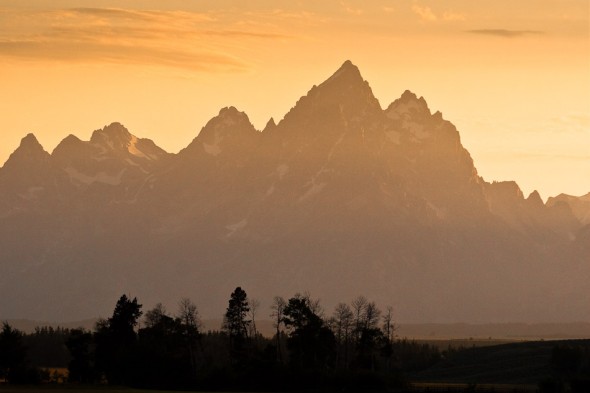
[340, 197]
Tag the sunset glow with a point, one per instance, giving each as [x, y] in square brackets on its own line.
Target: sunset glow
[514, 77]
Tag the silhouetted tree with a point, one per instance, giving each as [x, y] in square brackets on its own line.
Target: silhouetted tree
[46, 347]
[369, 336]
[116, 340]
[278, 308]
[311, 343]
[190, 325]
[164, 351]
[81, 366]
[254, 305]
[235, 323]
[358, 307]
[342, 323]
[12, 353]
[389, 335]
[155, 316]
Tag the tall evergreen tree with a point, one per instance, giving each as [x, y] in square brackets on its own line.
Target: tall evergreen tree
[116, 341]
[235, 323]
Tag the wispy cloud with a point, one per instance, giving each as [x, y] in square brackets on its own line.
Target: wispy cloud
[190, 40]
[576, 122]
[351, 10]
[427, 14]
[506, 33]
[121, 54]
[424, 12]
[453, 16]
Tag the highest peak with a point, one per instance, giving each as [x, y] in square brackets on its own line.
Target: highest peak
[348, 67]
[347, 73]
[345, 93]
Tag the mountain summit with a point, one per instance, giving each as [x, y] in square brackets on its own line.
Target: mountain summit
[345, 95]
[339, 198]
[29, 151]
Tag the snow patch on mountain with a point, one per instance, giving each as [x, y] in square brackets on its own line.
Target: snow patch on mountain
[233, 228]
[282, 170]
[32, 193]
[314, 189]
[134, 150]
[440, 212]
[101, 177]
[213, 149]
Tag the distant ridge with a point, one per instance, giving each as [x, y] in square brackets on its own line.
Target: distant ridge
[340, 197]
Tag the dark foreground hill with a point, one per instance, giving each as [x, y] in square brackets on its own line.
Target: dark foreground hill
[526, 363]
[341, 197]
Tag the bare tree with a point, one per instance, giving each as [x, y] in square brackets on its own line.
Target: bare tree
[154, 316]
[389, 330]
[342, 323]
[278, 307]
[372, 315]
[190, 322]
[188, 314]
[254, 305]
[389, 327]
[358, 308]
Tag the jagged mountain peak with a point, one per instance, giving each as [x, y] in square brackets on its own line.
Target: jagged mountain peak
[228, 117]
[534, 199]
[324, 185]
[409, 105]
[231, 113]
[348, 74]
[71, 146]
[29, 150]
[71, 139]
[29, 140]
[69, 142]
[270, 125]
[230, 126]
[30, 145]
[115, 135]
[344, 94]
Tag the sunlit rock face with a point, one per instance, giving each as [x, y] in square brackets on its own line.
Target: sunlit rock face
[340, 197]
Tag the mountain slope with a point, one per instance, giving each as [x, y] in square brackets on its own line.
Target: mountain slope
[340, 197]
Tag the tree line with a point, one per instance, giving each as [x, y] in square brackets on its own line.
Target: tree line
[353, 348]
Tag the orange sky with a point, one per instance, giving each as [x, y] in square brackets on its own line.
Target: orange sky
[513, 76]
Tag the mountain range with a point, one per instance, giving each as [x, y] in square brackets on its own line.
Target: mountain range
[339, 198]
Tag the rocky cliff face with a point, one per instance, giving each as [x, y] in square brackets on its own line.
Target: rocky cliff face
[340, 198]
